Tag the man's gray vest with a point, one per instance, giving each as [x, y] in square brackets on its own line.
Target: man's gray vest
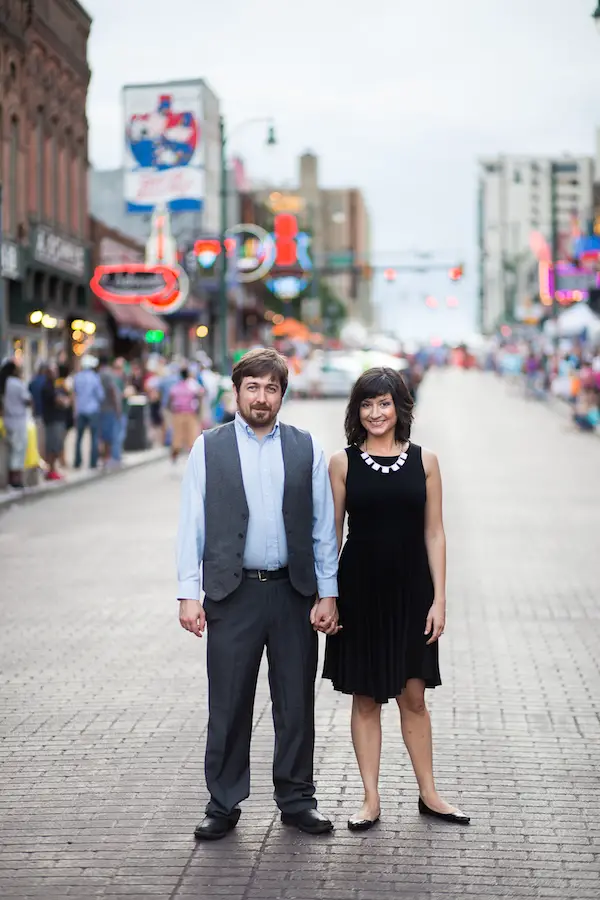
[226, 511]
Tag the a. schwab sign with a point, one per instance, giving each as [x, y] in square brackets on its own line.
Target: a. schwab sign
[57, 252]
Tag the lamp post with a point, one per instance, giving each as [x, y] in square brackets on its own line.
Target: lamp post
[596, 16]
[224, 141]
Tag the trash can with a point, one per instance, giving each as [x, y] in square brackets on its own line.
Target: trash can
[138, 425]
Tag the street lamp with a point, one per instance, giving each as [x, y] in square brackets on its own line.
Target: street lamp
[596, 16]
[271, 140]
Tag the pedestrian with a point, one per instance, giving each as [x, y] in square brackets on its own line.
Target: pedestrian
[35, 389]
[88, 397]
[392, 590]
[110, 413]
[121, 383]
[257, 512]
[55, 404]
[184, 406]
[15, 402]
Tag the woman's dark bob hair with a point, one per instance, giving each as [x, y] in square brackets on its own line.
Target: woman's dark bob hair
[376, 383]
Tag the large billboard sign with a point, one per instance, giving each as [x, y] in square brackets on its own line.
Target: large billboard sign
[164, 147]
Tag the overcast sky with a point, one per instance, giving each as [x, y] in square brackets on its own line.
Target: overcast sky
[397, 97]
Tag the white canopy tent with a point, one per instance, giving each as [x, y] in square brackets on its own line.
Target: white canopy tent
[573, 322]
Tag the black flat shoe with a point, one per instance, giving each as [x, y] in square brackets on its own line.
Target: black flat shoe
[457, 818]
[213, 828]
[362, 824]
[309, 820]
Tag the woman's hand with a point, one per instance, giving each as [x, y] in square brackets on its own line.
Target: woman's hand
[436, 621]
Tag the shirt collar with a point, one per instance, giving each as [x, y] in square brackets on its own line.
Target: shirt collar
[243, 427]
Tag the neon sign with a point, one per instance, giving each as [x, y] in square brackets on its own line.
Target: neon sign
[254, 248]
[566, 282]
[134, 282]
[206, 252]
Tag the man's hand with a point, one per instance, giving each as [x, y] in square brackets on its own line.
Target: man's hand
[192, 616]
[324, 616]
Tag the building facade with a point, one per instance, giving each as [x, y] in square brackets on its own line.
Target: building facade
[338, 220]
[521, 197]
[43, 153]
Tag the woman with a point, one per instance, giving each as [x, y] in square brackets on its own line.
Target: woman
[184, 405]
[392, 584]
[15, 400]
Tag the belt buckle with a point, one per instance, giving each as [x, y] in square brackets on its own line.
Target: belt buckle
[262, 576]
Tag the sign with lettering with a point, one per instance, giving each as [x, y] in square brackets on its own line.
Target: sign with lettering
[135, 283]
[57, 252]
[10, 261]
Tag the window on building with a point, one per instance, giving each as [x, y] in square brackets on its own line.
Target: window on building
[535, 167]
[41, 169]
[68, 176]
[55, 176]
[13, 178]
[517, 177]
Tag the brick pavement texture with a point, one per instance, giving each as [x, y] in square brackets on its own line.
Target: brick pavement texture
[103, 696]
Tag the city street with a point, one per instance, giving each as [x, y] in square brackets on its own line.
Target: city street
[103, 696]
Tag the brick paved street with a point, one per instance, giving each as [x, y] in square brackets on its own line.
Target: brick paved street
[103, 696]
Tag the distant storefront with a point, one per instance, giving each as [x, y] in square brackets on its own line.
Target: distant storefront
[127, 326]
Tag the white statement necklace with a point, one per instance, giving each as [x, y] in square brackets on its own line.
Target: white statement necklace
[385, 470]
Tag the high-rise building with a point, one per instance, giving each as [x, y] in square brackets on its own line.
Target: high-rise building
[520, 196]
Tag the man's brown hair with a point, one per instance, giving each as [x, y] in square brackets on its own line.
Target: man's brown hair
[261, 362]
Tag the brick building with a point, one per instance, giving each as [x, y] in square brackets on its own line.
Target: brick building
[44, 78]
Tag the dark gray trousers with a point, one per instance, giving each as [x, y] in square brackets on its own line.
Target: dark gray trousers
[257, 615]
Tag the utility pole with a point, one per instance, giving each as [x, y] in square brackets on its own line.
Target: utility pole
[223, 260]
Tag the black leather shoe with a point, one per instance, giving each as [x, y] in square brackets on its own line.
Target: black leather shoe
[213, 828]
[458, 818]
[309, 820]
[362, 824]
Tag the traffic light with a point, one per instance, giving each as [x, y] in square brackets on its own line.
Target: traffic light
[456, 273]
[390, 275]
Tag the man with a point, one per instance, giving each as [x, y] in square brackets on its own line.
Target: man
[257, 512]
[89, 395]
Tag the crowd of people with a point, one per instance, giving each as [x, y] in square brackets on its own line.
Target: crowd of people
[94, 399]
[571, 373]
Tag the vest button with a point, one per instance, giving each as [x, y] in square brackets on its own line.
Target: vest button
[239, 555]
[240, 535]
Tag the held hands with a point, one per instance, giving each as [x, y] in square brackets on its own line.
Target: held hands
[436, 620]
[192, 616]
[324, 616]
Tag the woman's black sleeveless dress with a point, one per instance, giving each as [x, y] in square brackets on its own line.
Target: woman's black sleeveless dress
[385, 583]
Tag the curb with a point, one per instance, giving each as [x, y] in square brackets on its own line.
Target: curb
[46, 489]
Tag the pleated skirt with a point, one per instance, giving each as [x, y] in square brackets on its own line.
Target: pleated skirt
[386, 592]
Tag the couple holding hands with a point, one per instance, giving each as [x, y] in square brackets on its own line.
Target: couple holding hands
[264, 519]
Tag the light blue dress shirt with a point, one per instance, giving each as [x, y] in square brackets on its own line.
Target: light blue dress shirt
[266, 542]
[89, 392]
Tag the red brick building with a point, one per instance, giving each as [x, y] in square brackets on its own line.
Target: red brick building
[44, 77]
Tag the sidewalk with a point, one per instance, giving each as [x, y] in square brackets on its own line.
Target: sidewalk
[77, 477]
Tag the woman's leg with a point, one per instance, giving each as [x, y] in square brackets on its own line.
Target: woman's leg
[366, 738]
[416, 731]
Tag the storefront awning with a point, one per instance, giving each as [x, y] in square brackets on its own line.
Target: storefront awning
[135, 317]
